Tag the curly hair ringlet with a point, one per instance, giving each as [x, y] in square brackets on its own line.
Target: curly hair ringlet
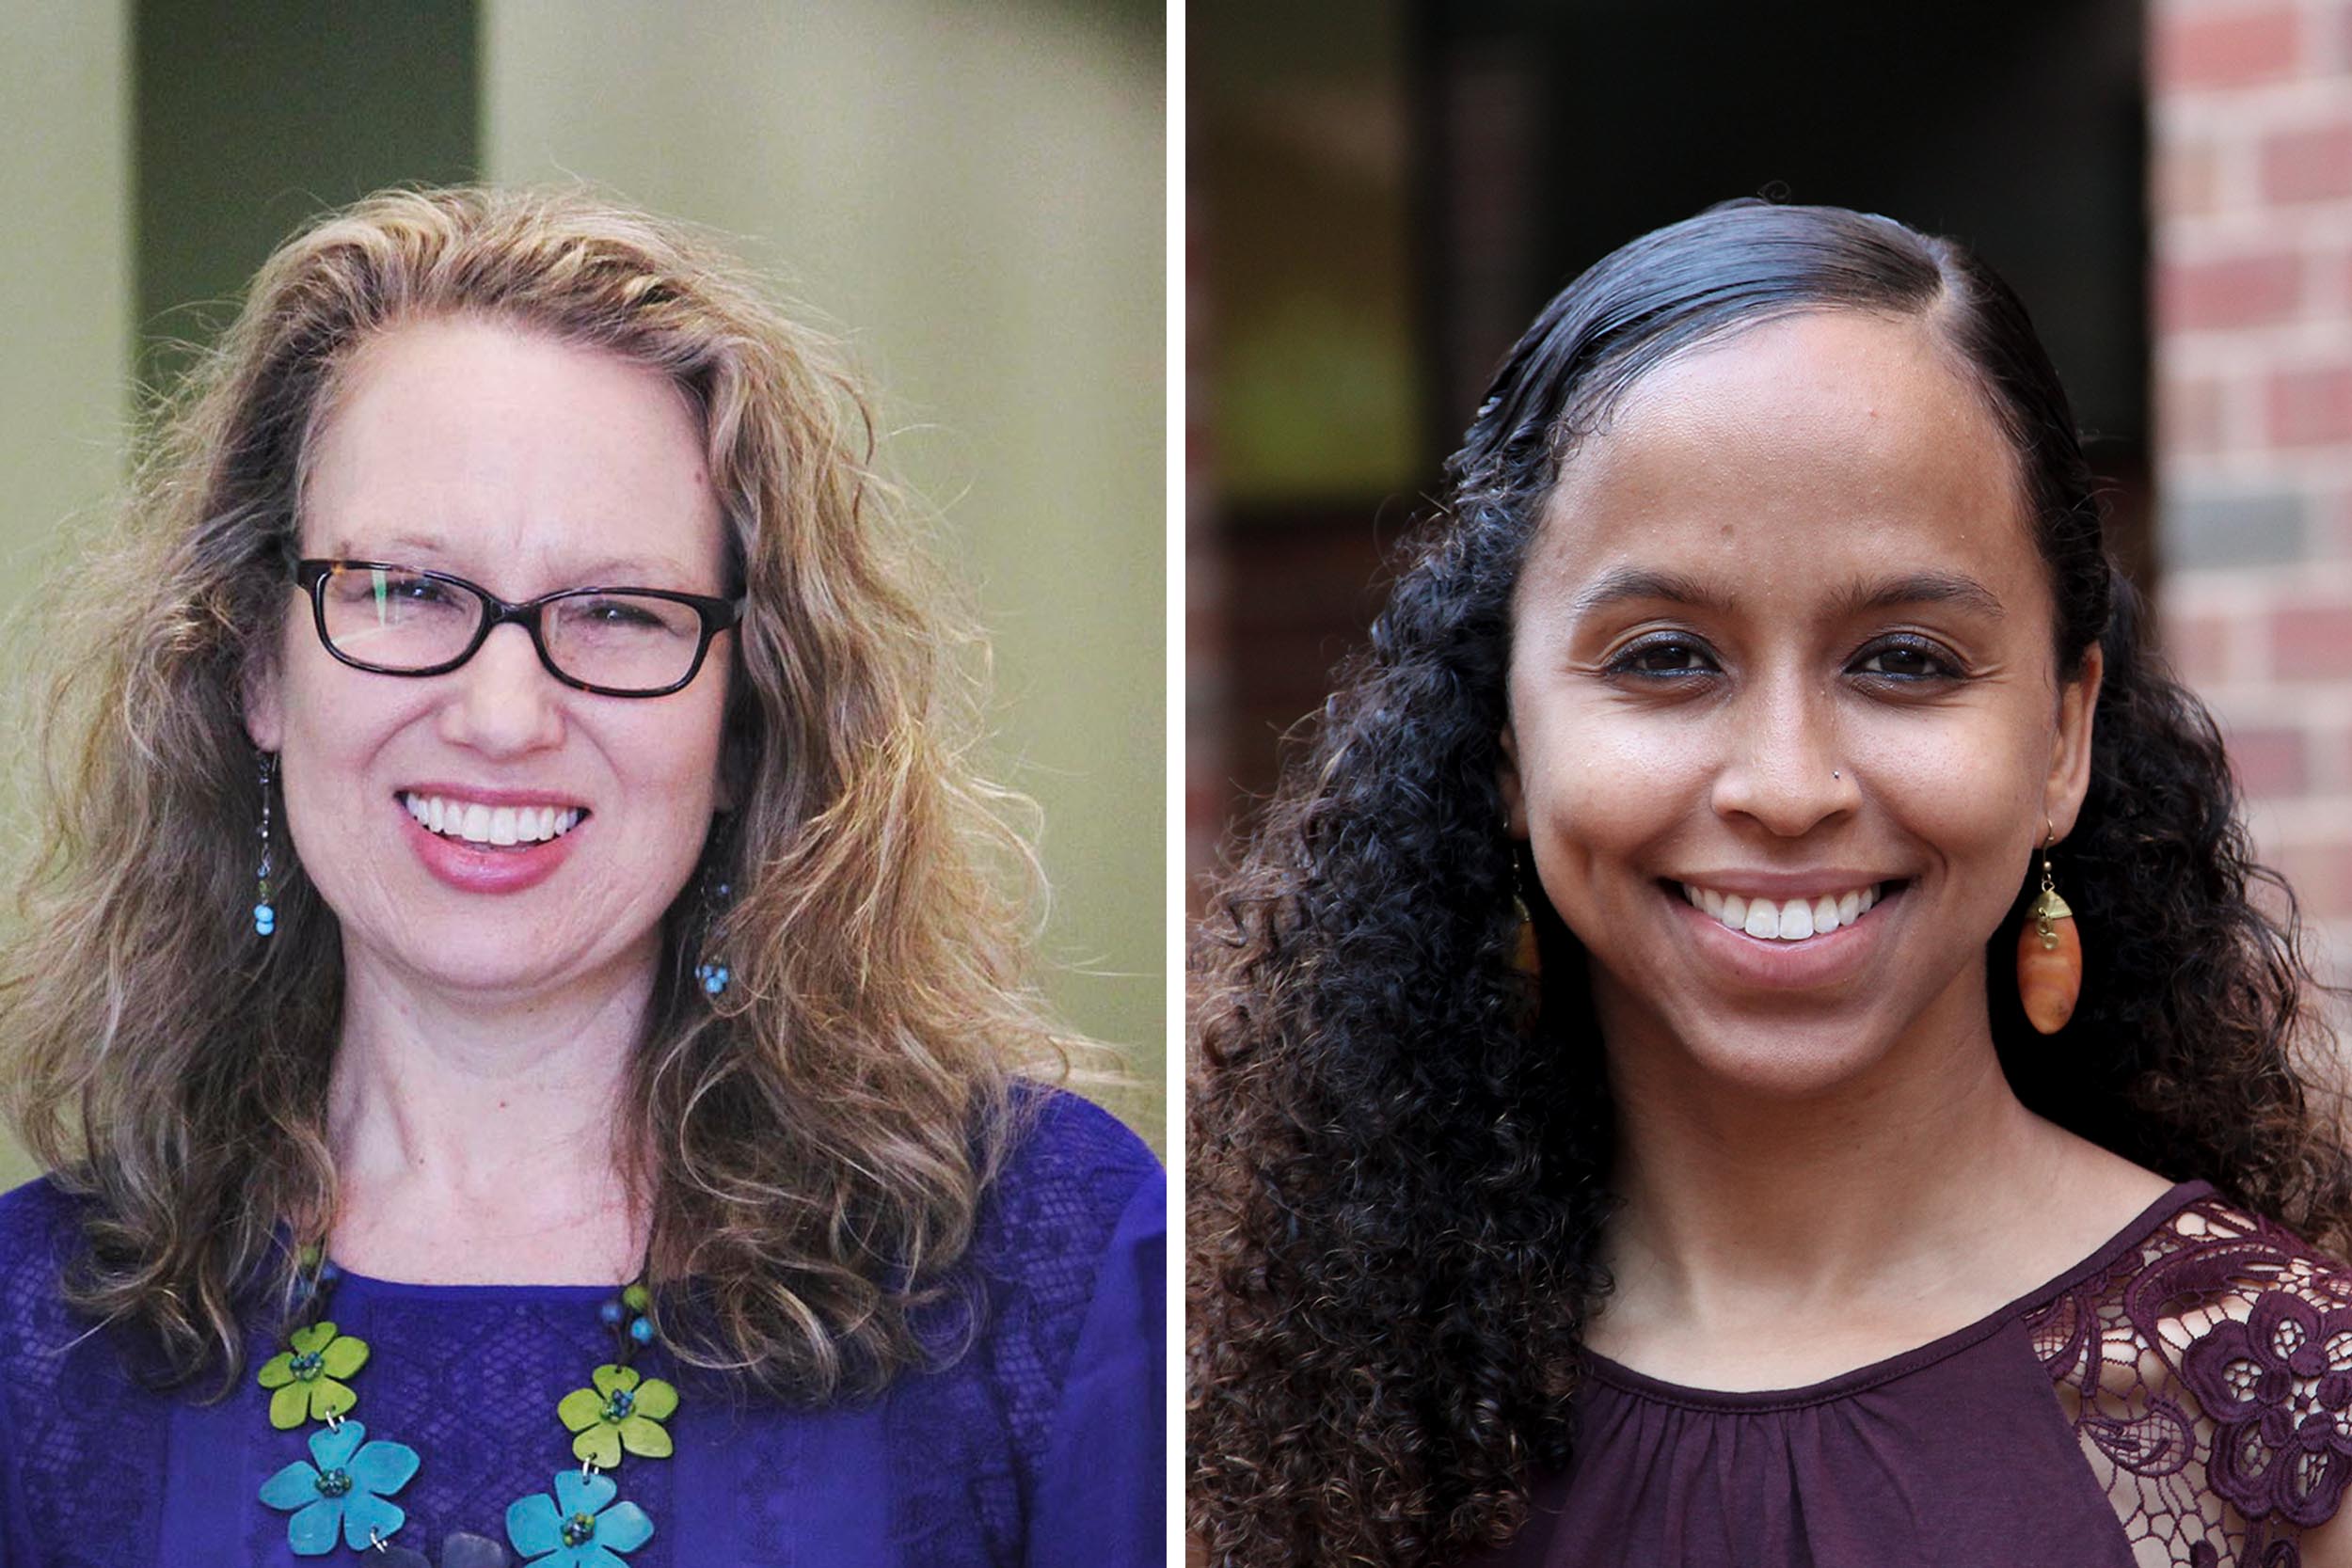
[813, 1146]
[1399, 1156]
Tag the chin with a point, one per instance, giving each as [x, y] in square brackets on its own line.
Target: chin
[477, 959]
[1784, 1059]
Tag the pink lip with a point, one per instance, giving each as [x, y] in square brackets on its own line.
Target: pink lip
[485, 869]
[1767, 964]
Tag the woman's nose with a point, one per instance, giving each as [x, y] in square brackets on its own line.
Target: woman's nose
[503, 703]
[1782, 766]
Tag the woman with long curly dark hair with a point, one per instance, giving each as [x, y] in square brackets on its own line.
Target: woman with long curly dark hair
[1751, 1037]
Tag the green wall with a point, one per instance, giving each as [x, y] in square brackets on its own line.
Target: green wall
[65, 296]
[975, 195]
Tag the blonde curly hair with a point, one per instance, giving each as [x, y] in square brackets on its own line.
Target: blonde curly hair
[817, 1140]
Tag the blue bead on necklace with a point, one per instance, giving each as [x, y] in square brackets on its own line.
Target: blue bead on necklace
[343, 1493]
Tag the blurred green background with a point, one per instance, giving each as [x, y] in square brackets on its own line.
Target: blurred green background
[974, 196]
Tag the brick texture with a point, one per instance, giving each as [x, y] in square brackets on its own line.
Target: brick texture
[2250, 186]
[2236, 290]
[2312, 164]
[2207, 46]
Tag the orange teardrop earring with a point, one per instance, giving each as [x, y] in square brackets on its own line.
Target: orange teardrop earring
[2049, 953]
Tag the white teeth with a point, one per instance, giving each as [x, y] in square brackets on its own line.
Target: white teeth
[1793, 921]
[477, 823]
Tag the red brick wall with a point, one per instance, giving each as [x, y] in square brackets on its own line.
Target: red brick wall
[2250, 105]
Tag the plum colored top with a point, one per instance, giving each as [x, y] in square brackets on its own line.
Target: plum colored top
[1040, 1444]
[2183, 1396]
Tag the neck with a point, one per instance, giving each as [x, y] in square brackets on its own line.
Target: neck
[482, 1141]
[1883, 1185]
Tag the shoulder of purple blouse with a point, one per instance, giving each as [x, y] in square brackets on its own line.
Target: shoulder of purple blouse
[2221, 1340]
[69, 1411]
[1044, 1222]
[39, 1230]
[1038, 1251]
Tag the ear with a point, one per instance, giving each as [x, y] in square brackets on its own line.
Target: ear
[265, 714]
[1514, 789]
[2070, 759]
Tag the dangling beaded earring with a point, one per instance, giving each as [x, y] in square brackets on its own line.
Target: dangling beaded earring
[2049, 953]
[264, 913]
[714, 973]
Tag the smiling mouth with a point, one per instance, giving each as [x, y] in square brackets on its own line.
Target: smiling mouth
[1790, 918]
[496, 827]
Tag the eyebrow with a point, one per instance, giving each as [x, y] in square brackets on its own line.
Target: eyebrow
[610, 571]
[1641, 582]
[1951, 588]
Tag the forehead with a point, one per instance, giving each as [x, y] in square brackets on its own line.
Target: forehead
[477, 441]
[1781, 461]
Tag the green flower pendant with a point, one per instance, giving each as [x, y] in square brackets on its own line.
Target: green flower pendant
[307, 1379]
[622, 1411]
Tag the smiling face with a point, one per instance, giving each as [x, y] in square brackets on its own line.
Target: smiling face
[492, 828]
[1785, 716]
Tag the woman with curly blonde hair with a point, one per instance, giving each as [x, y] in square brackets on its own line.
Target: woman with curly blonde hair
[519, 1005]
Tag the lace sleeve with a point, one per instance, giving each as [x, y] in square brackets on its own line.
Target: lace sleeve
[2207, 1374]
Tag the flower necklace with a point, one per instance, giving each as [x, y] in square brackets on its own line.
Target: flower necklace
[344, 1491]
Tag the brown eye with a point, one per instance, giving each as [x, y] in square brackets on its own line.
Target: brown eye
[1907, 660]
[1664, 655]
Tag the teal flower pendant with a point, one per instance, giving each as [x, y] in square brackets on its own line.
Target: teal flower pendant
[343, 1492]
[580, 1527]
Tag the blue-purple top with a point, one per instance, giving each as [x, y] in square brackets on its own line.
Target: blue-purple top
[1041, 1445]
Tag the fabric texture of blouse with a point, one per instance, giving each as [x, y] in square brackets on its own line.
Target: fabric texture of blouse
[1040, 1446]
[2183, 1397]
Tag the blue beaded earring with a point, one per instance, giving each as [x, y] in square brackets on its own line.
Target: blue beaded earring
[714, 973]
[264, 913]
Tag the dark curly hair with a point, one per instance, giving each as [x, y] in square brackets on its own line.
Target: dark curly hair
[1399, 1156]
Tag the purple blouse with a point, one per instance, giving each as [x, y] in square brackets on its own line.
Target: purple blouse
[2183, 1396]
[1040, 1444]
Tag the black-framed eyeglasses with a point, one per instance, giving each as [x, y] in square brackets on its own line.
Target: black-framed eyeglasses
[394, 619]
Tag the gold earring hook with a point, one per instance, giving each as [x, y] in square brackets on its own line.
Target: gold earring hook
[2048, 908]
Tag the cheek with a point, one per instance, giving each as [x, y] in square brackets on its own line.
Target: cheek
[1966, 789]
[331, 718]
[1601, 788]
[673, 756]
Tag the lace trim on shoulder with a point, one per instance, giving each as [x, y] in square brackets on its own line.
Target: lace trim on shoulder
[2207, 1373]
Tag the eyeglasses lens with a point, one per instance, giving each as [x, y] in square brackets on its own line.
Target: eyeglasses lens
[629, 641]
[395, 618]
